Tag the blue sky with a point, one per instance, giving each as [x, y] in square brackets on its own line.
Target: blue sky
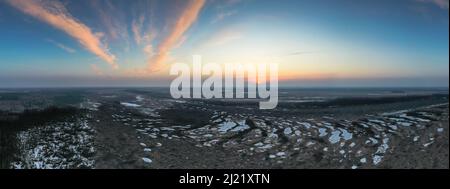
[316, 42]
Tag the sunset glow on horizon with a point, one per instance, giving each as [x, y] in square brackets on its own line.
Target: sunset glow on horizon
[133, 43]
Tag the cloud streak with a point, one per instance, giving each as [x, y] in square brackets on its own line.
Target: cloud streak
[55, 14]
[182, 24]
[136, 28]
[63, 47]
[223, 15]
[114, 25]
[223, 37]
[443, 4]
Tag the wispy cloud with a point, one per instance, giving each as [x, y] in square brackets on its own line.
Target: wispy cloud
[301, 53]
[182, 24]
[225, 8]
[143, 21]
[148, 49]
[223, 37]
[112, 18]
[136, 28]
[222, 15]
[63, 47]
[444, 4]
[55, 14]
[227, 3]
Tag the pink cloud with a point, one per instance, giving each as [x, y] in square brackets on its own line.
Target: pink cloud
[136, 28]
[55, 14]
[182, 24]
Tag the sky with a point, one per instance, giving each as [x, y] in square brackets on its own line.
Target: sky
[317, 43]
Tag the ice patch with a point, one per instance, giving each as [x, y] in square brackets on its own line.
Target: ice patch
[345, 134]
[130, 104]
[379, 122]
[226, 126]
[428, 144]
[395, 113]
[287, 131]
[230, 125]
[377, 159]
[363, 160]
[267, 146]
[393, 127]
[322, 132]
[334, 138]
[139, 98]
[405, 124]
[147, 160]
[414, 118]
[241, 127]
[259, 144]
[383, 147]
[372, 140]
[281, 154]
[306, 125]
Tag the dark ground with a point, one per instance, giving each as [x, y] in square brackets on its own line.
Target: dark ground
[182, 134]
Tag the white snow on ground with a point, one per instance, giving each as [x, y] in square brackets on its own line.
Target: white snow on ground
[226, 126]
[230, 125]
[139, 98]
[90, 105]
[363, 160]
[268, 134]
[147, 160]
[334, 138]
[306, 125]
[132, 105]
[345, 134]
[338, 135]
[287, 131]
[57, 146]
[372, 141]
[322, 132]
[377, 159]
[240, 127]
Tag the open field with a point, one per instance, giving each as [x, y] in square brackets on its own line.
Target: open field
[146, 128]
